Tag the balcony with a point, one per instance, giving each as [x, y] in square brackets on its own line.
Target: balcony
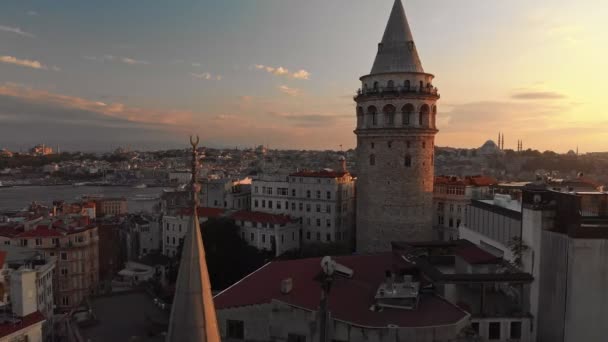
[397, 92]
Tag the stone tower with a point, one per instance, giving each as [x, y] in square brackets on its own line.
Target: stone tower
[395, 143]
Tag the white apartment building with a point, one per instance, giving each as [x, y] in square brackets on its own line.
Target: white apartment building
[226, 193]
[174, 228]
[269, 232]
[28, 276]
[324, 201]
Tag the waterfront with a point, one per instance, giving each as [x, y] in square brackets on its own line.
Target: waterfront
[19, 197]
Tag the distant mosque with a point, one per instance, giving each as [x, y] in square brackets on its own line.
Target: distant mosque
[491, 148]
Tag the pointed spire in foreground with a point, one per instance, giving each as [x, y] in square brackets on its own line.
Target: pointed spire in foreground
[193, 317]
[397, 51]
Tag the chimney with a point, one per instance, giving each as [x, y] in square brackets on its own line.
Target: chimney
[286, 285]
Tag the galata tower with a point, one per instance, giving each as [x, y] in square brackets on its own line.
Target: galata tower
[395, 143]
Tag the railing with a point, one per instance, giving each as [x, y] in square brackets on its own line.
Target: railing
[398, 90]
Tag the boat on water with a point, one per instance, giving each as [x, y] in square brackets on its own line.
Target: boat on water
[5, 185]
[145, 198]
[140, 186]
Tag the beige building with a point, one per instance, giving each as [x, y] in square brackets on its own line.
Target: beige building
[269, 232]
[74, 244]
[396, 110]
[323, 200]
[111, 206]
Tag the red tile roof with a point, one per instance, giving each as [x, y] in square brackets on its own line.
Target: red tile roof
[259, 217]
[204, 212]
[40, 231]
[350, 299]
[10, 230]
[26, 321]
[319, 174]
[474, 255]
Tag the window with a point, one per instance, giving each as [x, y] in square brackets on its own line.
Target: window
[293, 192]
[329, 195]
[293, 206]
[282, 191]
[296, 338]
[318, 194]
[64, 271]
[235, 329]
[451, 224]
[308, 235]
[389, 115]
[269, 204]
[406, 113]
[328, 237]
[373, 145]
[407, 84]
[308, 207]
[423, 144]
[23, 242]
[38, 241]
[318, 236]
[389, 144]
[308, 221]
[252, 237]
[282, 238]
[494, 331]
[256, 190]
[65, 300]
[278, 204]
[318, 222]
[328, 208]
[408, 161]
[263, 238]
[328, 223]
[372, 159]
[64, 256]
[318, 208]
[255, 203]
[263, 203]
[390, 84]
[307, 193]
[515, 330]
[475, 327]
[301, 205]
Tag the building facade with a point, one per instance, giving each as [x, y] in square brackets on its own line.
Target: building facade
[269, 232]
[396, 110]
[323, 201]
[451, 195]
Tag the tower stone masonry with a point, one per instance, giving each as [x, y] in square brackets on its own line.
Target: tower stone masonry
[396, 110]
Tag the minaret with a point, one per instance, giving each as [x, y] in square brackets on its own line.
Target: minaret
[193, 316]
[395, 143]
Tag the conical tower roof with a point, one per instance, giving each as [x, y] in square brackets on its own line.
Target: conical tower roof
[193, 317]
[397, 51]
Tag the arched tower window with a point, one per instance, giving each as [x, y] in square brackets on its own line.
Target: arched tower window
[389, 115]
[372, 112]
[408, 161]
[372, 159]
[434, 117]
[376, 85]
[359, 116]
[423, 118]
[407, 85]
[421, 86]
[390, 84]
[406, 113]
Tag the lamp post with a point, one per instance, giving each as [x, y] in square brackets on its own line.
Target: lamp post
[325, 278]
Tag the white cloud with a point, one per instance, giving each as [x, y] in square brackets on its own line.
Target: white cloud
[132, 61]
[206, 76]
[281, 71]
[301, 74]
[289, 91]
[111, 58]
[22, 62]
[16, 30]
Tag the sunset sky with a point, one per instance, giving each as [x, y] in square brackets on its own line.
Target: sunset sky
[95, 75]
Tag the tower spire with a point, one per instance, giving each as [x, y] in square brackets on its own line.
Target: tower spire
[397, 51]
[193, 317]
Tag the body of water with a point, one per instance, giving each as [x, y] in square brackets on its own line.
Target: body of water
[19, 197]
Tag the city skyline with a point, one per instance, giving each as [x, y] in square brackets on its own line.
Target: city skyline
[283, 73]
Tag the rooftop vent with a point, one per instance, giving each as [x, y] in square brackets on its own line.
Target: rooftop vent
[286, 285]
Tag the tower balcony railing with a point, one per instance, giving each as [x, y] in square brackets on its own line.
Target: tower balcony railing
[396, 91]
